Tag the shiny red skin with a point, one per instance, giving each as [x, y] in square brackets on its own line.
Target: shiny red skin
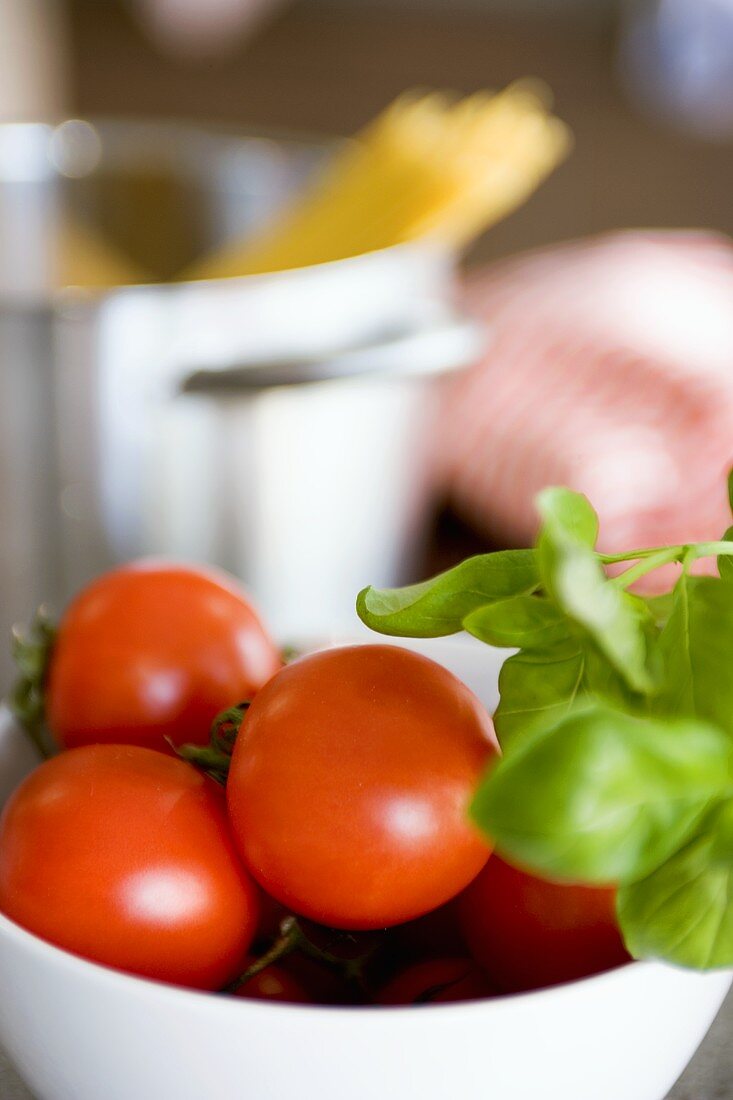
[350, 783]
[528, 933]
[436, 981]
[122, 855]
[153, 650]
[274, 983]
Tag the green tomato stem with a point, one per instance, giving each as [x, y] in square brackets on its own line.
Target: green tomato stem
[290, 937]
[207, 758]
[215, 758]
[32, 649]
[29, 714]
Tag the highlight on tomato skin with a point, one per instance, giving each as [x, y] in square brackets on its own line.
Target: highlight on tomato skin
[528, 933]
[151, 651]
[436, 981]
[122, 855]
[350, 783]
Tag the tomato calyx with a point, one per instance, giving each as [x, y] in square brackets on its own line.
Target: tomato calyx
[346, 952]
[32, 648]
[215, 758]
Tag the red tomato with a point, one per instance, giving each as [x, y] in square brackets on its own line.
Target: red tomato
[436, 981]
[274, 983]
[528, 933]
[350, 782]
[151, 651]
[123, 855]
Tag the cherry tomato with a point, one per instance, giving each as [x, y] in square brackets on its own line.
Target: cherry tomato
[436, 981]
[274, 983]
[350, 782]
[528, 933]
[122, 855]
[151, 651]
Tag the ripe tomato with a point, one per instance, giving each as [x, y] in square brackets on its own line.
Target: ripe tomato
[151, 651]
[274, 983]
[350, 782]
[528, 933]
[435, 981]
[122, 855]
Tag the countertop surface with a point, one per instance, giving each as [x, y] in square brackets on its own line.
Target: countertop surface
[708, 1077]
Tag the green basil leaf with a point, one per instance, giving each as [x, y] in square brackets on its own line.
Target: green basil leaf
[721, 852]
[730, 489]
[540, 685]
[439, 606]
[531, 622]
[682, 911]
[725, 561]
[660, 608]
[536, 686]
[696, 648]
[572, 573]
[601, 679]
[568, 516]
[603, 796]
[606, 612]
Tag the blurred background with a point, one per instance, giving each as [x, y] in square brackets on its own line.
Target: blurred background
[328, 66]
[288, 426]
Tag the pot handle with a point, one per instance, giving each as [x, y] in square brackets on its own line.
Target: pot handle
[431, 350]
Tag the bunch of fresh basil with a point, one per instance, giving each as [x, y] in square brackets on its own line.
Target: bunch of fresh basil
[615, 720]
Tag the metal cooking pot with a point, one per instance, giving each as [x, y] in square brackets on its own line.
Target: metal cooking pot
[271, 424]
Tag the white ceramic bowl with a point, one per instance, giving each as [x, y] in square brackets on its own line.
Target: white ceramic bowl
[77, 1031]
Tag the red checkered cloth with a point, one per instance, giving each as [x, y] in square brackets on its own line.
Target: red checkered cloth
[610, 371]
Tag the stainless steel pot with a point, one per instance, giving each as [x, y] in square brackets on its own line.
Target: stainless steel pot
[272, 424]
